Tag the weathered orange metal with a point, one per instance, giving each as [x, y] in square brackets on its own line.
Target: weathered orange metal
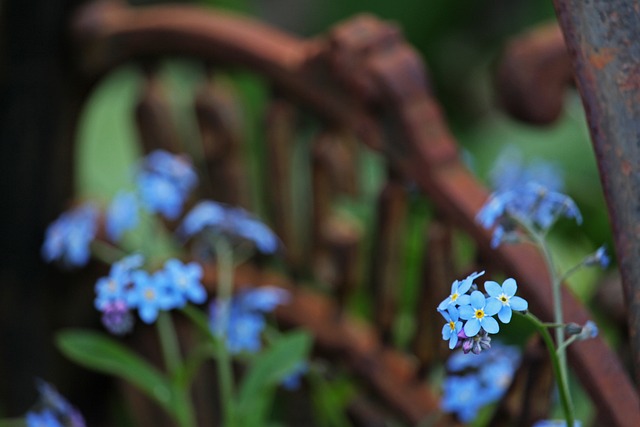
[363, 76]
[602, 40]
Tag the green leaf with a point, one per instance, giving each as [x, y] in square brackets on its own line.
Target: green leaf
[103, 354]
[271, 366]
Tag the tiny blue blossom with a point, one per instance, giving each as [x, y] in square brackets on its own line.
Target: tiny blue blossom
[463, 396]
[150, 294]
[292, 381]
[556, 423]
[459, 291]
[510, 172]
[122, 215]
[478, 380]
[45, 418]
[164, 182]
[185, 281]
[478, 314]
[56, 410]
[531, 203]
[159, 194]
[68, 238]
[115, 287]
[178, 168]
[589, 330]
[245, 318]
[453, 326]
[599, 257]
[505, 294]
[229, 221]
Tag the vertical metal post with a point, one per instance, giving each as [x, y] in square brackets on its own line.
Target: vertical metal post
[603, 39]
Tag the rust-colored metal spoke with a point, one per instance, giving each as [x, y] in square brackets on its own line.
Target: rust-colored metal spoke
[156, 127]
[218, 114]
[386, 264]
[604, 43]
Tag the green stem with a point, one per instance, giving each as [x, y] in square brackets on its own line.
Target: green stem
[169, 342]
[563, 386]
[13, 422]
[106, 252]
[224, 257]
[181, 402]
[558, 318]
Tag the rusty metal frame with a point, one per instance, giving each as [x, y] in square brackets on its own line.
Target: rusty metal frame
[603, 41]
[390, 84]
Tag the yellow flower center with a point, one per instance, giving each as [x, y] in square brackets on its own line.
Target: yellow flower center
[479, 314]
[452, 325]
[149, 294]
[454, 296]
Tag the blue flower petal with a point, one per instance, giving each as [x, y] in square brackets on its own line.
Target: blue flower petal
[510, 287]
[505, 314]
[492, 306]
[466, 312]
[477, 300]
[518, 304]
[490, 325]
[492, 288]
[472, 327]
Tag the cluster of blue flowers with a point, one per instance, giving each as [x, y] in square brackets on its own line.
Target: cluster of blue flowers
[127, 287]
[164, 181]
[529, 195]
[467, 303]
[53, 410]
[476, 381]
[212, 218]
[68, 238]
[246, 319]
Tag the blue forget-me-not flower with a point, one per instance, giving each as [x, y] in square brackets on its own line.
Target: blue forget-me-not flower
[478, 380]
[478, 314]
[246, 318]
[122, 215]
[185, 282]
[232, 222]
[68, 238]
[556, 423]
[53, 410]
[506, 295]
[466, 303]
[453, 326]
[150, 294]
[164, 182]
[459, 291]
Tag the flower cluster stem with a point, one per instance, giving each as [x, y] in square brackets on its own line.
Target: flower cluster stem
[224, 257]
[559, 353]
[563, 385]
[181, 402]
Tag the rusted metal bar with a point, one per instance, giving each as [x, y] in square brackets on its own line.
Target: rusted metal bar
[155, 123]
[386, 263]
[217, 112]
[533, 74]
[603, 40]
[279, 136]
[437, 276]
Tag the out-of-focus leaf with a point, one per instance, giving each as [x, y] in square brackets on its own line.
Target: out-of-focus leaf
[103, 354]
